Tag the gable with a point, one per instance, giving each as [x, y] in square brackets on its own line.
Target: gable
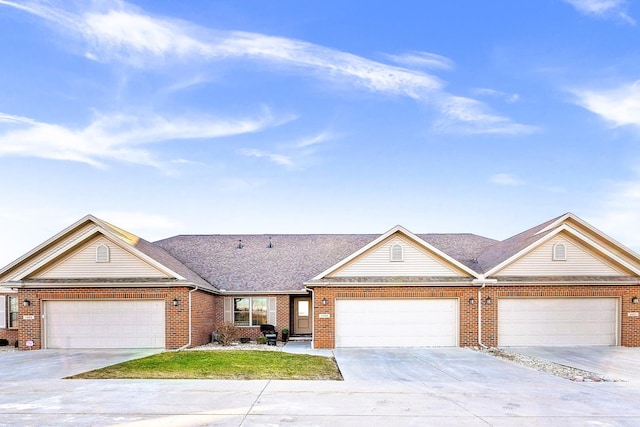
[581, 260]
[82, 263]
[416, 261]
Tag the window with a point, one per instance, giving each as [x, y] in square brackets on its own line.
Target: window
[13, 312]
[102, 253]
[249, 311]
[397, 253]
[559, 252]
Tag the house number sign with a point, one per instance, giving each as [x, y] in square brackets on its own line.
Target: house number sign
[28, 317]
[324, 315]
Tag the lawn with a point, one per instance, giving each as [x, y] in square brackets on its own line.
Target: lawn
[223, 365]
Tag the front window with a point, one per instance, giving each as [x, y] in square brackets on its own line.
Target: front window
[13, 312]
[249, 311]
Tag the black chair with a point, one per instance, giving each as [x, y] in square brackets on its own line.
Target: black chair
[270, 333]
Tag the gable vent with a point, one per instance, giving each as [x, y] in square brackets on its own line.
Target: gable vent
[397, 253]
[102, 254]
[559, 252]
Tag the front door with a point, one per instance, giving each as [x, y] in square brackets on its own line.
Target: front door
[302, 316]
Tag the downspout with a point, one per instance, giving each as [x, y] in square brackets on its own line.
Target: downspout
[480, 315]
[187, 345]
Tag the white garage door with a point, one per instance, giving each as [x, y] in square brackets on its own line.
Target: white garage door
[104, 324]
[397, 323]
[557, 321]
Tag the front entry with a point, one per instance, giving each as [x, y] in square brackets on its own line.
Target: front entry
[302, 316]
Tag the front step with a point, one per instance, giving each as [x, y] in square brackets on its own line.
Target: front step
[299, 338]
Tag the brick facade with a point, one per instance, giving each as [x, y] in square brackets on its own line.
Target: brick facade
[176, 317]
[324, 328]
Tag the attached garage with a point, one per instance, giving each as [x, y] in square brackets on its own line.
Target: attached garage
[558, 321]
[104, 324]
[397, 322]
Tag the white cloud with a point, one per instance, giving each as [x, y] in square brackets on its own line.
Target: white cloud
[619, 213]
[620, 106]
[509, 98]
[505, 179]
[603, 9]
[116, 31]
[423, 60]
[116, 137]
[279, 159]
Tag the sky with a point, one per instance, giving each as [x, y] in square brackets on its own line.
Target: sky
[254, 117]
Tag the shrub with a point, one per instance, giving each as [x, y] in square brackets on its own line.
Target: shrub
[227, 333]
[261, 340]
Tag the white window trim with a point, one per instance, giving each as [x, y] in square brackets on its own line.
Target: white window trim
[103, 254]
[4, 318]
[392, 253]
[229, 313]
[9, 299]
[554, 252]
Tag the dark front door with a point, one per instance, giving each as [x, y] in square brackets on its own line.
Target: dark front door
[302, 316]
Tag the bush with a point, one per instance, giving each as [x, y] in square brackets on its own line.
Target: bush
[261, 340]
[227, 333]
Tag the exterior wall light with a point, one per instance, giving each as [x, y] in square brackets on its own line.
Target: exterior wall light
[26, 303]
[472, 301]
[324, 301]
[487, 301]
[634, 300]
[176, 302]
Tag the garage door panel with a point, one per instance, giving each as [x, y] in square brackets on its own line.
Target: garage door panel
[105, 324]
[396, 323]
[557, 321]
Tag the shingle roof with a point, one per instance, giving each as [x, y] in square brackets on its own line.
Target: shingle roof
[292, 259]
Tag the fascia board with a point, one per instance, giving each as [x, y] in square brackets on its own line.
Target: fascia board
[573, 232]
[386, 235]
[558, 222]
[524, 251]
[107, 234]
[47, 242]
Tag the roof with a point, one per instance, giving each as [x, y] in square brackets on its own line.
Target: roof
[283, 262]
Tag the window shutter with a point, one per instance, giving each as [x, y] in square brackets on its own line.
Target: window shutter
[3, 312]
[228, 309]
[272, 318]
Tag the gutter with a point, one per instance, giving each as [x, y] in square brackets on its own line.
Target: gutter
[187, 345]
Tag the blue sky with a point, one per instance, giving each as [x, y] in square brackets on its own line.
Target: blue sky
[200, 117]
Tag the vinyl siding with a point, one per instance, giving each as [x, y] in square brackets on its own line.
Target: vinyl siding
[17, 272]
[580, 262]
[377, 263]
[82, 264]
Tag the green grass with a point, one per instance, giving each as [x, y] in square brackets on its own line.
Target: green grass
[227, 365]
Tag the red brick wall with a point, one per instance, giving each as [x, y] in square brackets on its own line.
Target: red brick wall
[9, 334]
[253, 332]
[176, 318]
[202, 317]
[324, 329]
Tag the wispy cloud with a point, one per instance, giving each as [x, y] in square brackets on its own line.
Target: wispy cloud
[422, 60]
[279, 159]
[116, 31]
[619, 106]
[116, 137]
[604, 9]
[505, 179]
[509, 98]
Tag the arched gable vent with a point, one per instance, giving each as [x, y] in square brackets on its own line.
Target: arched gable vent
[397, 253]
[102, 254]
[559, 252]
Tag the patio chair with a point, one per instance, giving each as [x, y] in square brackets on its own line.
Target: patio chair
[270, 333]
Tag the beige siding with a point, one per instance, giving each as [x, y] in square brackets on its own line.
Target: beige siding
[82, 264]
[580, 262]
[377, 262]
[14, 273]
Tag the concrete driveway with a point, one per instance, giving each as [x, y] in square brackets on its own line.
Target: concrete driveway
[426, 365]
[54, 364]
[445, 387]
[620, 363]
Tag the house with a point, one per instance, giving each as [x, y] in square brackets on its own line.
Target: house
[94, 285]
